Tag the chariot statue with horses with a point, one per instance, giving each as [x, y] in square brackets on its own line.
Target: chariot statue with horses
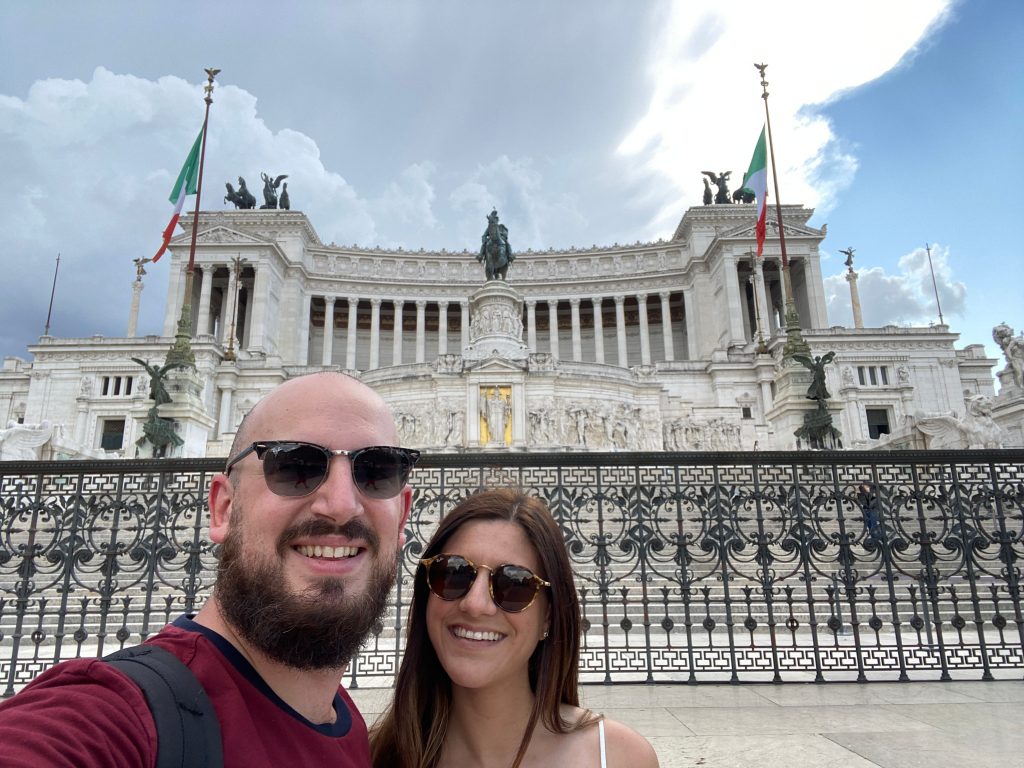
[495, 252]
[243, 198]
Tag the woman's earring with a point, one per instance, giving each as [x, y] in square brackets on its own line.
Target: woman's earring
[545, 635]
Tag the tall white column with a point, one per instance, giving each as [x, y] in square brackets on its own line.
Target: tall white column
[577, 339]
[396, 349]
[531, 325]
[353, 327]
[442, 328]
[175, 288]
[645, 332]
[851, 278]
[733, 302]
[374, 334]
[328, 353]
[692, 331]
[553, 327]
[205, 290]
[760, 299]
[666, 325]
[421, 330]
[464, 306]
[598, 330]
[230, 301]
[133, 313]
[305, 325]
[260, 299]
[620, 329]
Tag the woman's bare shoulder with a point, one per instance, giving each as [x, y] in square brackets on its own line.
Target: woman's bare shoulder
[626, 747]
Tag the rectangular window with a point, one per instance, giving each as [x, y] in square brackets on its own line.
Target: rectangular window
[860, 375]
[878, 422]
[112, 438]
[128, 386]
[885, 375]
[871, 373]
[746, 412]
[106, 385]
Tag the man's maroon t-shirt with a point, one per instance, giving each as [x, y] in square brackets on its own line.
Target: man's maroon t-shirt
[84, 713]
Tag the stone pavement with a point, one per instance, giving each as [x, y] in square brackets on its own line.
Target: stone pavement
[839, 725]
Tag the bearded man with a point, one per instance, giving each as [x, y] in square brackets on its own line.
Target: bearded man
[310, 512]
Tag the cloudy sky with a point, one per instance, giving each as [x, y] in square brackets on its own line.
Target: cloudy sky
[403, 123]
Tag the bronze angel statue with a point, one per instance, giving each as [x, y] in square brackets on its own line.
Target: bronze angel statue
[720, 180]
[270, 189]
[817, 390]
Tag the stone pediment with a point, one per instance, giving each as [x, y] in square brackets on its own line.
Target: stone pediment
[221, 235]
[496, 365]
[747, 231]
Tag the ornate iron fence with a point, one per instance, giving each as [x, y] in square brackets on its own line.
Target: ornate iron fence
[690, 567]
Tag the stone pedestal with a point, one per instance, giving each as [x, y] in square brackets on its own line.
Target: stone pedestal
[1008, 411]
[496, 325]
[192, 423]
[791, 405]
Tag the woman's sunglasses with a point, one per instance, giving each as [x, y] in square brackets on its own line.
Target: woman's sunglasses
[294, 468]
[513, 587]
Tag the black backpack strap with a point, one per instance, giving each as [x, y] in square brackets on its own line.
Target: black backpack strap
[187, 729]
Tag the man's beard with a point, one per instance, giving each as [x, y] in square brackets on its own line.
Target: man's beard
[318, 628]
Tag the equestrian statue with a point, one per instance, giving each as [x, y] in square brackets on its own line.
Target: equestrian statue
[495, 252]
[243, 198]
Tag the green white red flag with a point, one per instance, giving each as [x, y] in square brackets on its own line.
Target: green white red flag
[186, 185]
[756, 180]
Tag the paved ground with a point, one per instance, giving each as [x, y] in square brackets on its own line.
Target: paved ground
[839, 725]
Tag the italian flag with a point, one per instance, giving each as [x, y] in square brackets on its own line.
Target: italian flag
[756, 180]
[183, 187]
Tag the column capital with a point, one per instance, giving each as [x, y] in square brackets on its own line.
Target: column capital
[619, 299]
[443, 304]
[641, 297]
[531, 303]
[421, 303]
[398, 302]
[851, 276]
[376, 302]
[665, 295]
[574, 302]
[330, 300]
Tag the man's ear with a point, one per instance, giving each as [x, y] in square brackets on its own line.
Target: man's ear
[406, 501]
[219, 500]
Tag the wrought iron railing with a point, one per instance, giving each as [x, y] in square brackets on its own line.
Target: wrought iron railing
[690, 567]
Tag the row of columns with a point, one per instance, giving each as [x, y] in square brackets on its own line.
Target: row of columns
[331, 305]
[251, 307]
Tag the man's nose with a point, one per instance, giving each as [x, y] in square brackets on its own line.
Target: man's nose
[338, 497]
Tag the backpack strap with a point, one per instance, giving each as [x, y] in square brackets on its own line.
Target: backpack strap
[187, 729]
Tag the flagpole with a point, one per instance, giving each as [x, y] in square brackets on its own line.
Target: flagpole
[795, 344]
[935, 286]
[53, 292]
[181, 351]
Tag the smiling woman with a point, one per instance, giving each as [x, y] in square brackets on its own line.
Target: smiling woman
[491, 667]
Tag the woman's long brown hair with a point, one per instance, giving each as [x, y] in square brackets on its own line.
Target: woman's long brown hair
[411, 733]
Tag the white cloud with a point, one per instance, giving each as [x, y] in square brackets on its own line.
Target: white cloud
[906, 299]
[815, 52]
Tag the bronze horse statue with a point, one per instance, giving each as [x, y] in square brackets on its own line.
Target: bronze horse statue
[243, 198]
[495, 252]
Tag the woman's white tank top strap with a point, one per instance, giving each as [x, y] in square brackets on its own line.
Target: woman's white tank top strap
[600, 739]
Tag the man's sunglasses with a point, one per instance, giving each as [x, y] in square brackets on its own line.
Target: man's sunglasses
[294, 468]
[513, 587]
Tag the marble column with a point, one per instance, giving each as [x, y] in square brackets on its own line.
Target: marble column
[231, 316]
[553, 326]
[205, 291]
[421, 330]
[577, 338]
[760, 299]
[645, 332]
[692, 345]
[531, 325]
[306, 325]
[260, 299]
[442, 328]
[851, 278]
[374, 334]
[620, 329]
[396, 348]
[464, 307]
[328, 348]
[353, 327]
[598, 330]
[733, 301]
[133, 313]
[666, 325]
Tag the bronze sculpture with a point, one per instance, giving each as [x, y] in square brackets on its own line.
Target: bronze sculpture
[495, 251]
[720, 180]
[270, 186]
[243, 198]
